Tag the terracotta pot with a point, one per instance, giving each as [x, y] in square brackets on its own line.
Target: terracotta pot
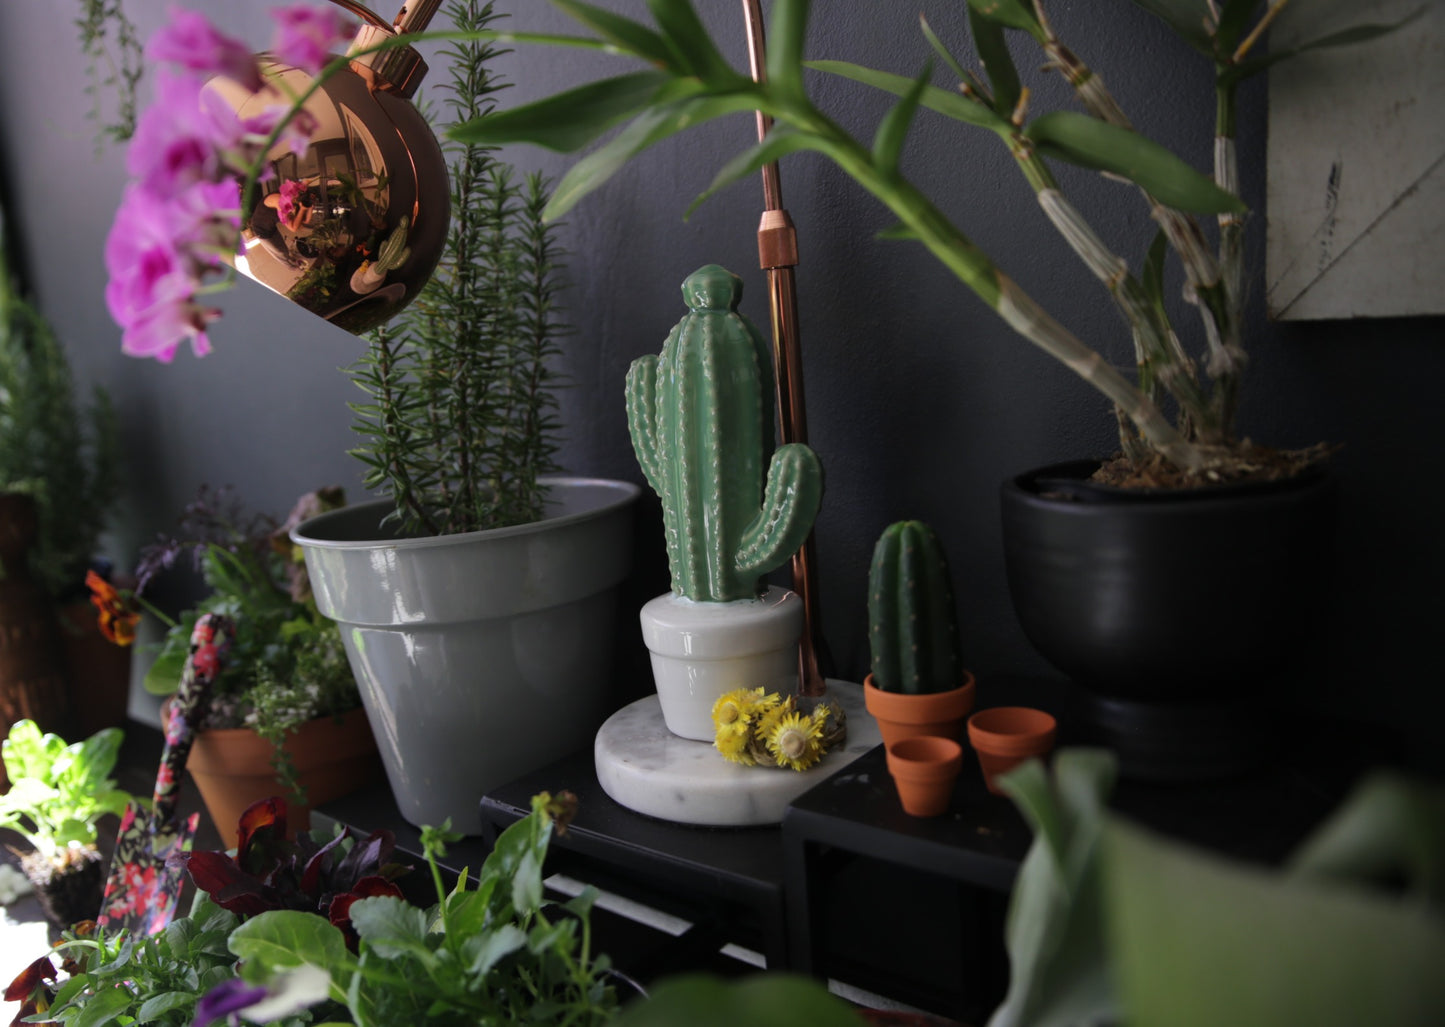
[233, 767]
[901, 716]
[924, 768]
[1005, 736]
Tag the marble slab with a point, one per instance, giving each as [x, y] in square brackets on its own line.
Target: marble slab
[648, 769]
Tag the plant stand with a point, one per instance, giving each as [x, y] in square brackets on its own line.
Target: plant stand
[645, 767]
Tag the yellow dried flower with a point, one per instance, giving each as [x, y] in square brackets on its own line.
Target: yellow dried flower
[733, 717]
[795, 740]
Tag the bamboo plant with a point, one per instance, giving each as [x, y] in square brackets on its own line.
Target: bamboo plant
[687, 83]
[458, 422]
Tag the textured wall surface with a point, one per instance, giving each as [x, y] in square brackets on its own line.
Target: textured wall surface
[920, 400]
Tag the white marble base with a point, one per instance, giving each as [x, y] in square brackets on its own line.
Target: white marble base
[647, 768]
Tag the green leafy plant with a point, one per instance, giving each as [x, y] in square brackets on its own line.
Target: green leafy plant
[1111, 923]
[108, 40]
[64, 455]
[912, 624]
[121, 978]
[58, 794]
[287, 664]
[687, 83]
[493, 953]
[458, 422]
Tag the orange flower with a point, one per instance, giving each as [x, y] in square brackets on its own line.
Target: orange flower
[118, 618]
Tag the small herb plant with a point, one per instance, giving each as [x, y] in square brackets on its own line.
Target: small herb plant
[287, 664]
[496, 953]
[59, 792]
[64, 455]
[458, 422]
[124, 979]
[109, 41]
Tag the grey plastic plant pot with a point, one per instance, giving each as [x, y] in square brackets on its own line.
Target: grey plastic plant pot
[480, 656]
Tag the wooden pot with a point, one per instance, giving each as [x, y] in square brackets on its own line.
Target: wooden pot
[901, 715]
[234, 767]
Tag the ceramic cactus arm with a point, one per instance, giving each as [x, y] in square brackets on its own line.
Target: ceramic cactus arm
[642, 419]
[700, 416]
[912, 627]
[790, 502]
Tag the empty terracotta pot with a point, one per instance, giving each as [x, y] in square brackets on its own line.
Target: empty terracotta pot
[901, 715]
[1005, 736]
[924, 769]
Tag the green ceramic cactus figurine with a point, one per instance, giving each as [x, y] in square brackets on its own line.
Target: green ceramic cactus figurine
[393, 251]
[912, 627]
[701, 420]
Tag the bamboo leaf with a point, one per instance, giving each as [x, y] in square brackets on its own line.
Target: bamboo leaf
[893, 129]
[652, 126]
[1015, 14]
[1234, 19]
[566, 121]
[787, 31]
[1345, 37]
[685, 33]
[780, 141]
[1003, 76]
[1188, 18]
[897, 233]
[941, 101]
[624, 33]
[964, 75]
[1090, 143]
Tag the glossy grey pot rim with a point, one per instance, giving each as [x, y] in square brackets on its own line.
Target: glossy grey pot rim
[347, 528]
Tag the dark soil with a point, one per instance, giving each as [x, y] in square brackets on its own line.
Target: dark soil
[1244, 462]
[69, 891]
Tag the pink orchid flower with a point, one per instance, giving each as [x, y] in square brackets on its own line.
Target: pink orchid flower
[305, 35]
[192, 42]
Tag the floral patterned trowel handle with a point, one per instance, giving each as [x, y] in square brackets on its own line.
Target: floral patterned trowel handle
[145, 885]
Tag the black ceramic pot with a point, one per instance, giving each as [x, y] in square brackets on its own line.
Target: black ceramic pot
[1174, 609]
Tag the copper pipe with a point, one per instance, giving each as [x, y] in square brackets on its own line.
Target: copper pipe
[364, 13]
[778, 256]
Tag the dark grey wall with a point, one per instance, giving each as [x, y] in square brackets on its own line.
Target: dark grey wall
[920, 401]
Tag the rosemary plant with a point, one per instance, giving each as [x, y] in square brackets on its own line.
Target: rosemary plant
[687, 82]
[459, 420]
[64, 455]
[109, 41]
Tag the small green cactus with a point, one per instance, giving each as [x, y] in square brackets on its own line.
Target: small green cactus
[393, 251]
[701, 420]
[912, 627]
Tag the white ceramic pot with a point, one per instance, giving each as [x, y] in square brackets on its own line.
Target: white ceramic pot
[480, 656]
[701, 650]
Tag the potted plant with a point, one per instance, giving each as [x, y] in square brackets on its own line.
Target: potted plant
[700, 417]
[312, 929]
[1110, 923]
[1259, 543]
[59, 461]
[58, 794]
[918, 684]
[285, 715]
[476, 598]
